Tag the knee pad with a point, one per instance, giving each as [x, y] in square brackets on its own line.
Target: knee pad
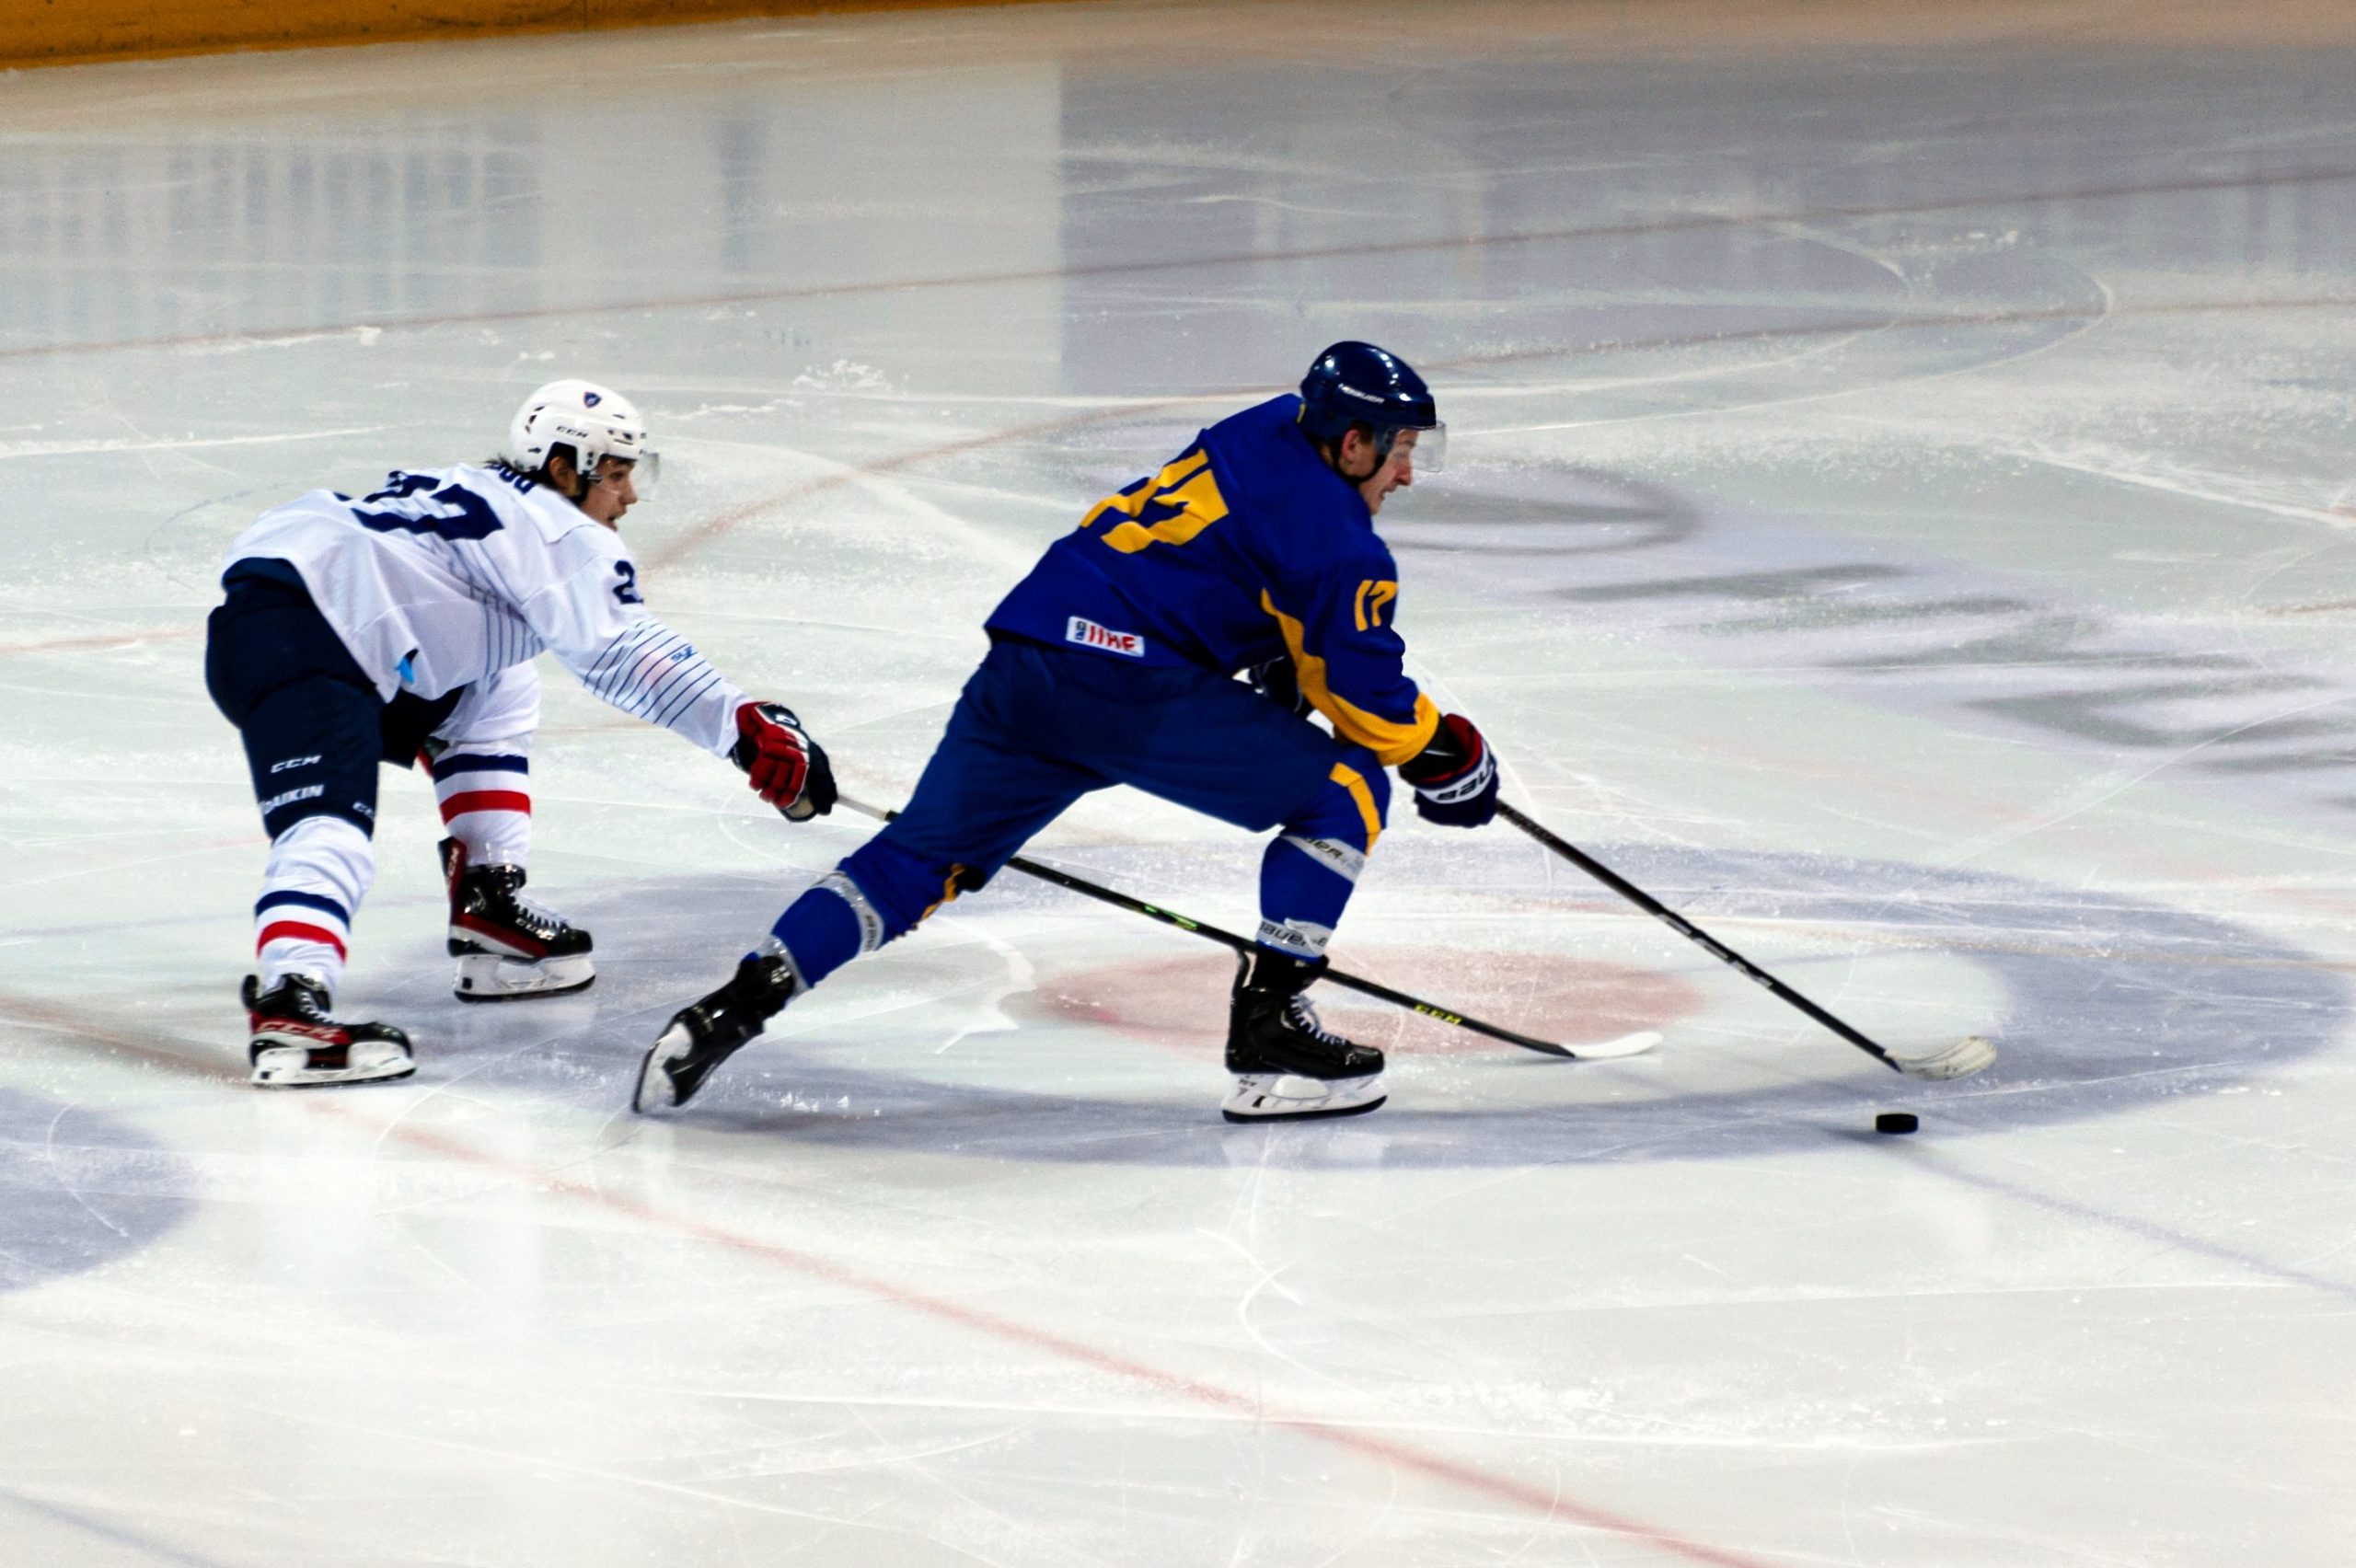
[900, 886]
[312, 749]
[1342, 824]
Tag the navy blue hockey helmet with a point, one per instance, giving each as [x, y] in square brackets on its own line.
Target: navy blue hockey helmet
[1358, 384]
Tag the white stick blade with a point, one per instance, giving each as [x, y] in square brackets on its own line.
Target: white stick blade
[1635, 1045]
[1966, 1056]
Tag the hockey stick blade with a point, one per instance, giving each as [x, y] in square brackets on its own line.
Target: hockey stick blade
[1966, 1056]
[1635, 1045]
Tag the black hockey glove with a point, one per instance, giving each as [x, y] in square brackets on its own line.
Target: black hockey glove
[1279, 682]
[1455, 776]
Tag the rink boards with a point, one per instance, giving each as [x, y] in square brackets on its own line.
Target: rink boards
[74, 31]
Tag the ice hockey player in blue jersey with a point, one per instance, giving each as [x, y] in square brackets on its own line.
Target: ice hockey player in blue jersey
[401, 625]
[1114, 662]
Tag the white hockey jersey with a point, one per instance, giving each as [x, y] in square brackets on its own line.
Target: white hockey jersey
[443, 578]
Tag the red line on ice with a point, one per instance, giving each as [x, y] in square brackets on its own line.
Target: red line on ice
[1537, 1498]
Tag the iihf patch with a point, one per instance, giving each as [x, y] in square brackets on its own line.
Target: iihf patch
[1088, 634]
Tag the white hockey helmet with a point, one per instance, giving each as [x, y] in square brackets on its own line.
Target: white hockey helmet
[595, 421]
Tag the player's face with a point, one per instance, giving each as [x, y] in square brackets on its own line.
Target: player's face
[611, 492]
[1396, 471]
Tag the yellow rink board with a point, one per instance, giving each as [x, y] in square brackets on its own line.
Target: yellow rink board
[61, 32]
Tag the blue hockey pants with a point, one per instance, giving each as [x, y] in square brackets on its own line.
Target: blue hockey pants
[1036, 728]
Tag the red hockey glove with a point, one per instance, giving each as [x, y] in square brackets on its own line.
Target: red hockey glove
[1454, 778]
[788, 768]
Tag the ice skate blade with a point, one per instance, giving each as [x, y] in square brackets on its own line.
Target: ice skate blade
[494, 977]
[654, 1090]
[1289, 1097]
[287, 1066]
[1247, 1119]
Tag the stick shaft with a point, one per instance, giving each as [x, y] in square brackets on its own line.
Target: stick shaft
[1693, 933]
[1120, 900]
[1246, 944]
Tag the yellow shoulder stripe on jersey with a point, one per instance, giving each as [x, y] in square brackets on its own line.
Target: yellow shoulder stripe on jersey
[1391, 741]
[1127, 502]
[1350, 779]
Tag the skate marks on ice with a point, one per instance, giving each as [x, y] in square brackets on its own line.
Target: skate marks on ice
[79, 1190]
[1978, 648]
[78, 1523]
[2101, 1004]
[2178, 1239]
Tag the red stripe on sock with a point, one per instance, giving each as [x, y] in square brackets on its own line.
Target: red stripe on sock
[295, 930]
[486, 800]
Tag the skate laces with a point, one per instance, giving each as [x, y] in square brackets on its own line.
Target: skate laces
[542, 922]
[502, 896]
[308, 1003]
[1302, 1015]
[294, 1001]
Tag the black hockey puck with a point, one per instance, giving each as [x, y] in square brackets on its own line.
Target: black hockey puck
[1896, 1122]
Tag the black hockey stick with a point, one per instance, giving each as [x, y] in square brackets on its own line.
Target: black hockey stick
[1626, 1045]
[1966, 1056]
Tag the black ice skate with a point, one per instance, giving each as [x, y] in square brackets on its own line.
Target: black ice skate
[506, 946]
[700, 1037]
[296, 1045]
[1287, 1065]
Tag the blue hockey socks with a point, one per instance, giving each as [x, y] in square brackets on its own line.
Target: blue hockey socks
[1308, 875]
[822, 930]
[880, 892]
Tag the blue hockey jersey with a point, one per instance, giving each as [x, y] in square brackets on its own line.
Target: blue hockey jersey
[1244, 547]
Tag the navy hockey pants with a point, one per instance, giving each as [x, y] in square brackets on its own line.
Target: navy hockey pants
[313, 728]
[1036, 728]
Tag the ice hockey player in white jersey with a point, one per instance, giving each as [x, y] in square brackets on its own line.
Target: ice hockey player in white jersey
[400, 627]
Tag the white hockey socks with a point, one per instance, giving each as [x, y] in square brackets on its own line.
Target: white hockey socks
[320, 870]
[485, 790]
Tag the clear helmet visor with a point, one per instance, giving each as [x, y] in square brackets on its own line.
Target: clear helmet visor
[645, 471]
[1429, 447]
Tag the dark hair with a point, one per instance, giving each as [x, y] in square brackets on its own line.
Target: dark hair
[539, 475]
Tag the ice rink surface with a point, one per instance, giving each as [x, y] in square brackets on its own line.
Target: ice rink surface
[1900, 514]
